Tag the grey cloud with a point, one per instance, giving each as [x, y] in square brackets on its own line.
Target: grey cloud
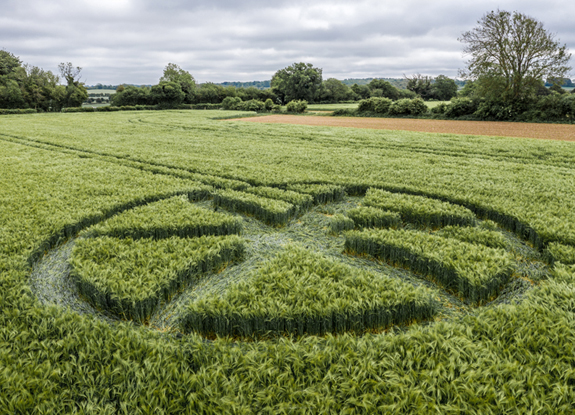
[132, 40]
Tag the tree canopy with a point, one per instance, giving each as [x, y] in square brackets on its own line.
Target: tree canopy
[510, 54]
[173, 73]
[300, 81]
[25, 86]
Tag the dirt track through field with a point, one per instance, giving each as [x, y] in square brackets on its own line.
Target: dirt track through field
[563, 132]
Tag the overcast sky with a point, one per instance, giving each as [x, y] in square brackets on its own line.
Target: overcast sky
[131, 41]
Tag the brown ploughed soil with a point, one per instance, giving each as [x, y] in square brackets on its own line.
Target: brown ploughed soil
[565, 132]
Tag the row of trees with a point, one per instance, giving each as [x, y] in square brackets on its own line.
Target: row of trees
[300, 81]
[25, 86]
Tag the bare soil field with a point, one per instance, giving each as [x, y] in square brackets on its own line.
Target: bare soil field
[563, 132]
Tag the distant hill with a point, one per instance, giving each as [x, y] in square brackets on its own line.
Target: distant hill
[100, 86]
[400, 83]
[255, 84]
[567, 83]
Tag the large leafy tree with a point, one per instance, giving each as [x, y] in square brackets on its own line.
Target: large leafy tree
[300, 81]
[334, 90]
[76, 93]
[173, 73]
[8, 63]
[387, 90]
[510, 54]
[421, 85]
[167, 94]
[443, 88]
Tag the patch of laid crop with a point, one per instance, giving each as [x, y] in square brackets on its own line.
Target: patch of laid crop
[420, 210]
[369, 217]
[271, 211]
[130, 278]
[300, 292]
[474, 272]
[170, 217]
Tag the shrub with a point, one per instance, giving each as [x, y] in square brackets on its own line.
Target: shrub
[417, 107]
[231, 103]
[459, 107]
[495, 110]
[374, 104]
[344, 112]
[269, 104]
[4, 111]
[206, 106]
[299, 106]
[401, 107]
[366, 105]
[568, 105]
[439, 109]
[251, 105]
[381, 105]
[407, 106]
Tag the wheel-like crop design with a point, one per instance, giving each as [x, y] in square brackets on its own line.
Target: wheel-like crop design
[306, 260]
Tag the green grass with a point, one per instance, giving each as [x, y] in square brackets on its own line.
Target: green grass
[433, 104]
[96, 105]
[331, 107]
[101, 91]
[61, 173]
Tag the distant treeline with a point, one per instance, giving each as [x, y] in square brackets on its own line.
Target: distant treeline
[298, 82]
